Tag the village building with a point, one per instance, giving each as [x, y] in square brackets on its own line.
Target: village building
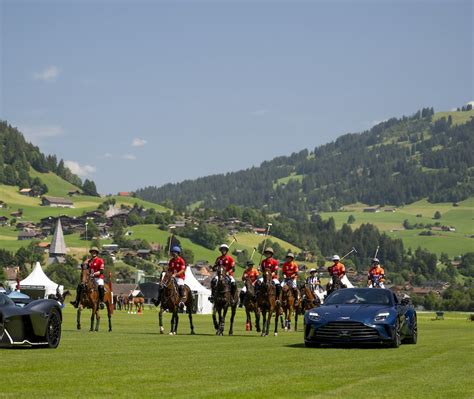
[27, 235]
[4, 221]
[27, 191]
[57, 249]
[371, 210]
[57, 202]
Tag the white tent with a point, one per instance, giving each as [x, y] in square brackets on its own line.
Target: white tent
[38, 281]
[203, 304]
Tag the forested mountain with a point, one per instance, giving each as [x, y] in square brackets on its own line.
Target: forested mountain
[397, 162]
[17, 156]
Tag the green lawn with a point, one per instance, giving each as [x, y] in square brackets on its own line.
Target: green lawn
[135, 361]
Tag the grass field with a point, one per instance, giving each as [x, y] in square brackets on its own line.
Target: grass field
[135, 361]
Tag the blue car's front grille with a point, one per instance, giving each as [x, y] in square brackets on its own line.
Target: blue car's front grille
[346, 330]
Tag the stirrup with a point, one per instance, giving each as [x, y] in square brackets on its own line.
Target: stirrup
[211, 299]
[102, 305]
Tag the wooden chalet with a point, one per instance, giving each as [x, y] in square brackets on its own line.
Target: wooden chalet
[57, 202]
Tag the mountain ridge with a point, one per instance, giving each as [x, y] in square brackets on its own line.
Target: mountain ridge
[398, 161]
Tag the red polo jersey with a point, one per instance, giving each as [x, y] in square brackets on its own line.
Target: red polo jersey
[227, 262]
[176, 265]
[97, 265]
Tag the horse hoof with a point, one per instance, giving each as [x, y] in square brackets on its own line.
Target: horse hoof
[170, 333]
[276, 334]
[286, 328]
[161, 332]
[174, 333]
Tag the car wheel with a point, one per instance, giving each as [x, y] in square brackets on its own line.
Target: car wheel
[53, 329]
[413, 338]
[397, 340]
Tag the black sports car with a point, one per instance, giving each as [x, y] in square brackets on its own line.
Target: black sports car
[36, 324]
[361, 315]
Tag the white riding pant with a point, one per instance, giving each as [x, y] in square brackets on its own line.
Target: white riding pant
[231, 278]
[275, 280]
[179, 281]
[99, 281]
[290, 282]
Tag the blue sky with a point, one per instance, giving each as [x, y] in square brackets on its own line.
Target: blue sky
[141, 93]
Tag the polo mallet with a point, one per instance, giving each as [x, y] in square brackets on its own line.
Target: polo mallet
[253, 253]
[351, 251]
[376, 252]
[171, 240]
[265, 242]
[234, 240]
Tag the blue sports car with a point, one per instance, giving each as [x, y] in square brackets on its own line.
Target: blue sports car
[361, 315]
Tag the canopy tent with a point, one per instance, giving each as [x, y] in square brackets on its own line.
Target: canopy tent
[202, 293]
[38, 284]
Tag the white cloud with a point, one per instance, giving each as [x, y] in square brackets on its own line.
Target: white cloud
[37, 133]
[107, 155]
[138, 142]
[130, 157]
[48, 74]
[80, 170]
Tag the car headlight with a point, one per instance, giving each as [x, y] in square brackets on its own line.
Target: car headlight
[315, 316]
[382, 316]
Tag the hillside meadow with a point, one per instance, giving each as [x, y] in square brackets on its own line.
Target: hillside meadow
[460, 217]
[135, 361]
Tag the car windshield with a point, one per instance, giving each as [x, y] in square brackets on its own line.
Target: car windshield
[366, 296]
[4, 300]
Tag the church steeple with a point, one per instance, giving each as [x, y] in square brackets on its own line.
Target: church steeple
[57, 249]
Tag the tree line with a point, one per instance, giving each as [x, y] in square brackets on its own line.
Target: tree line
[17, 156]
[397, 162]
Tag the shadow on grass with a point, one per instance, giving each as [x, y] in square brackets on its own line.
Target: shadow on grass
[339, 346]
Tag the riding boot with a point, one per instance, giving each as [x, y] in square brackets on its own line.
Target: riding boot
[233, 289]
[295, 294]
[101, 296]
[156, 301]
[78, 296]
[241, 298]
[181, 296]
[213, 289]
[278, 291]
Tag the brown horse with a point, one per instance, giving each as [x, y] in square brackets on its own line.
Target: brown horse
[222, 301]
[267, 303]
[138, 301]
[334, 284]
[90, 299]
[310, 300]
[289, 305]
[250, 303]
[170, 301]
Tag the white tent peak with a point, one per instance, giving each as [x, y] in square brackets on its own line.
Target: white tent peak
[37, 278]
[203, 304]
